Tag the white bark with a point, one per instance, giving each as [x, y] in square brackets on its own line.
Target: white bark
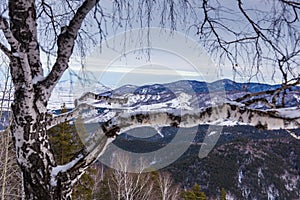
[129, 186]
[42, 177]
[168, 191]
[271, 119]
[4, 26]
[65, 43]
[32, 92]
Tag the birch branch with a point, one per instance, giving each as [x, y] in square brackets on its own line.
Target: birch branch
[107, 99]
[66, 42]
[53, 121]
[4, 26]
[81, 161]
[251, 98]
[98, 141]
[16, 55]
[271, 119]
[96, 145]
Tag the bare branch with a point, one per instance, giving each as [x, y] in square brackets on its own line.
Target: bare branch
[252, 38]
[294, 4]
[213, 30]
[47, 9]
[256, 27]
[274, 94]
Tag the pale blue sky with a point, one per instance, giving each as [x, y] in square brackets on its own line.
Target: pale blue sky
[173, 57]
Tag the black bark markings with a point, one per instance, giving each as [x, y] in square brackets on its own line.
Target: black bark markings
[113, 131]
[228, 114]
[175, 120]
[110, 130]
[261, 126]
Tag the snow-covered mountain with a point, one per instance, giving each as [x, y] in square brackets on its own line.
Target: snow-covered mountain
[196, 94]
[185, 94]
[249, 157]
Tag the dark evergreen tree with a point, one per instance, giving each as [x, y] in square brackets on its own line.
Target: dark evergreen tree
[64, 140]
[194, 193]
[103, 191]
[83, 189]
[223, 194]
[65, 143]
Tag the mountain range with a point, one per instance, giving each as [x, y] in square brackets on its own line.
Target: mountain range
[231, 89]
[247, 162]
[199, 94]
[193, 86]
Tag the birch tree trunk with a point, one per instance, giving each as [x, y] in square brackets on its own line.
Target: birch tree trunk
[41, 180]
[29, 106]
[42, 177]
[33, 150]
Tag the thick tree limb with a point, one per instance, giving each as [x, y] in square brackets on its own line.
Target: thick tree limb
[271, 119]
[99, 140]
[110, 100]
[71, 172]
[53, 121]
[24, 30]
[4, 26]
[65, 44]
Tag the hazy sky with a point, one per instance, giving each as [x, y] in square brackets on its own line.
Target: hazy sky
[172, 57]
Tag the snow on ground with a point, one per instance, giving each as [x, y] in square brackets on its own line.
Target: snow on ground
[292, 112]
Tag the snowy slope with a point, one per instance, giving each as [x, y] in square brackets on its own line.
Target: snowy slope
[184, 94]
